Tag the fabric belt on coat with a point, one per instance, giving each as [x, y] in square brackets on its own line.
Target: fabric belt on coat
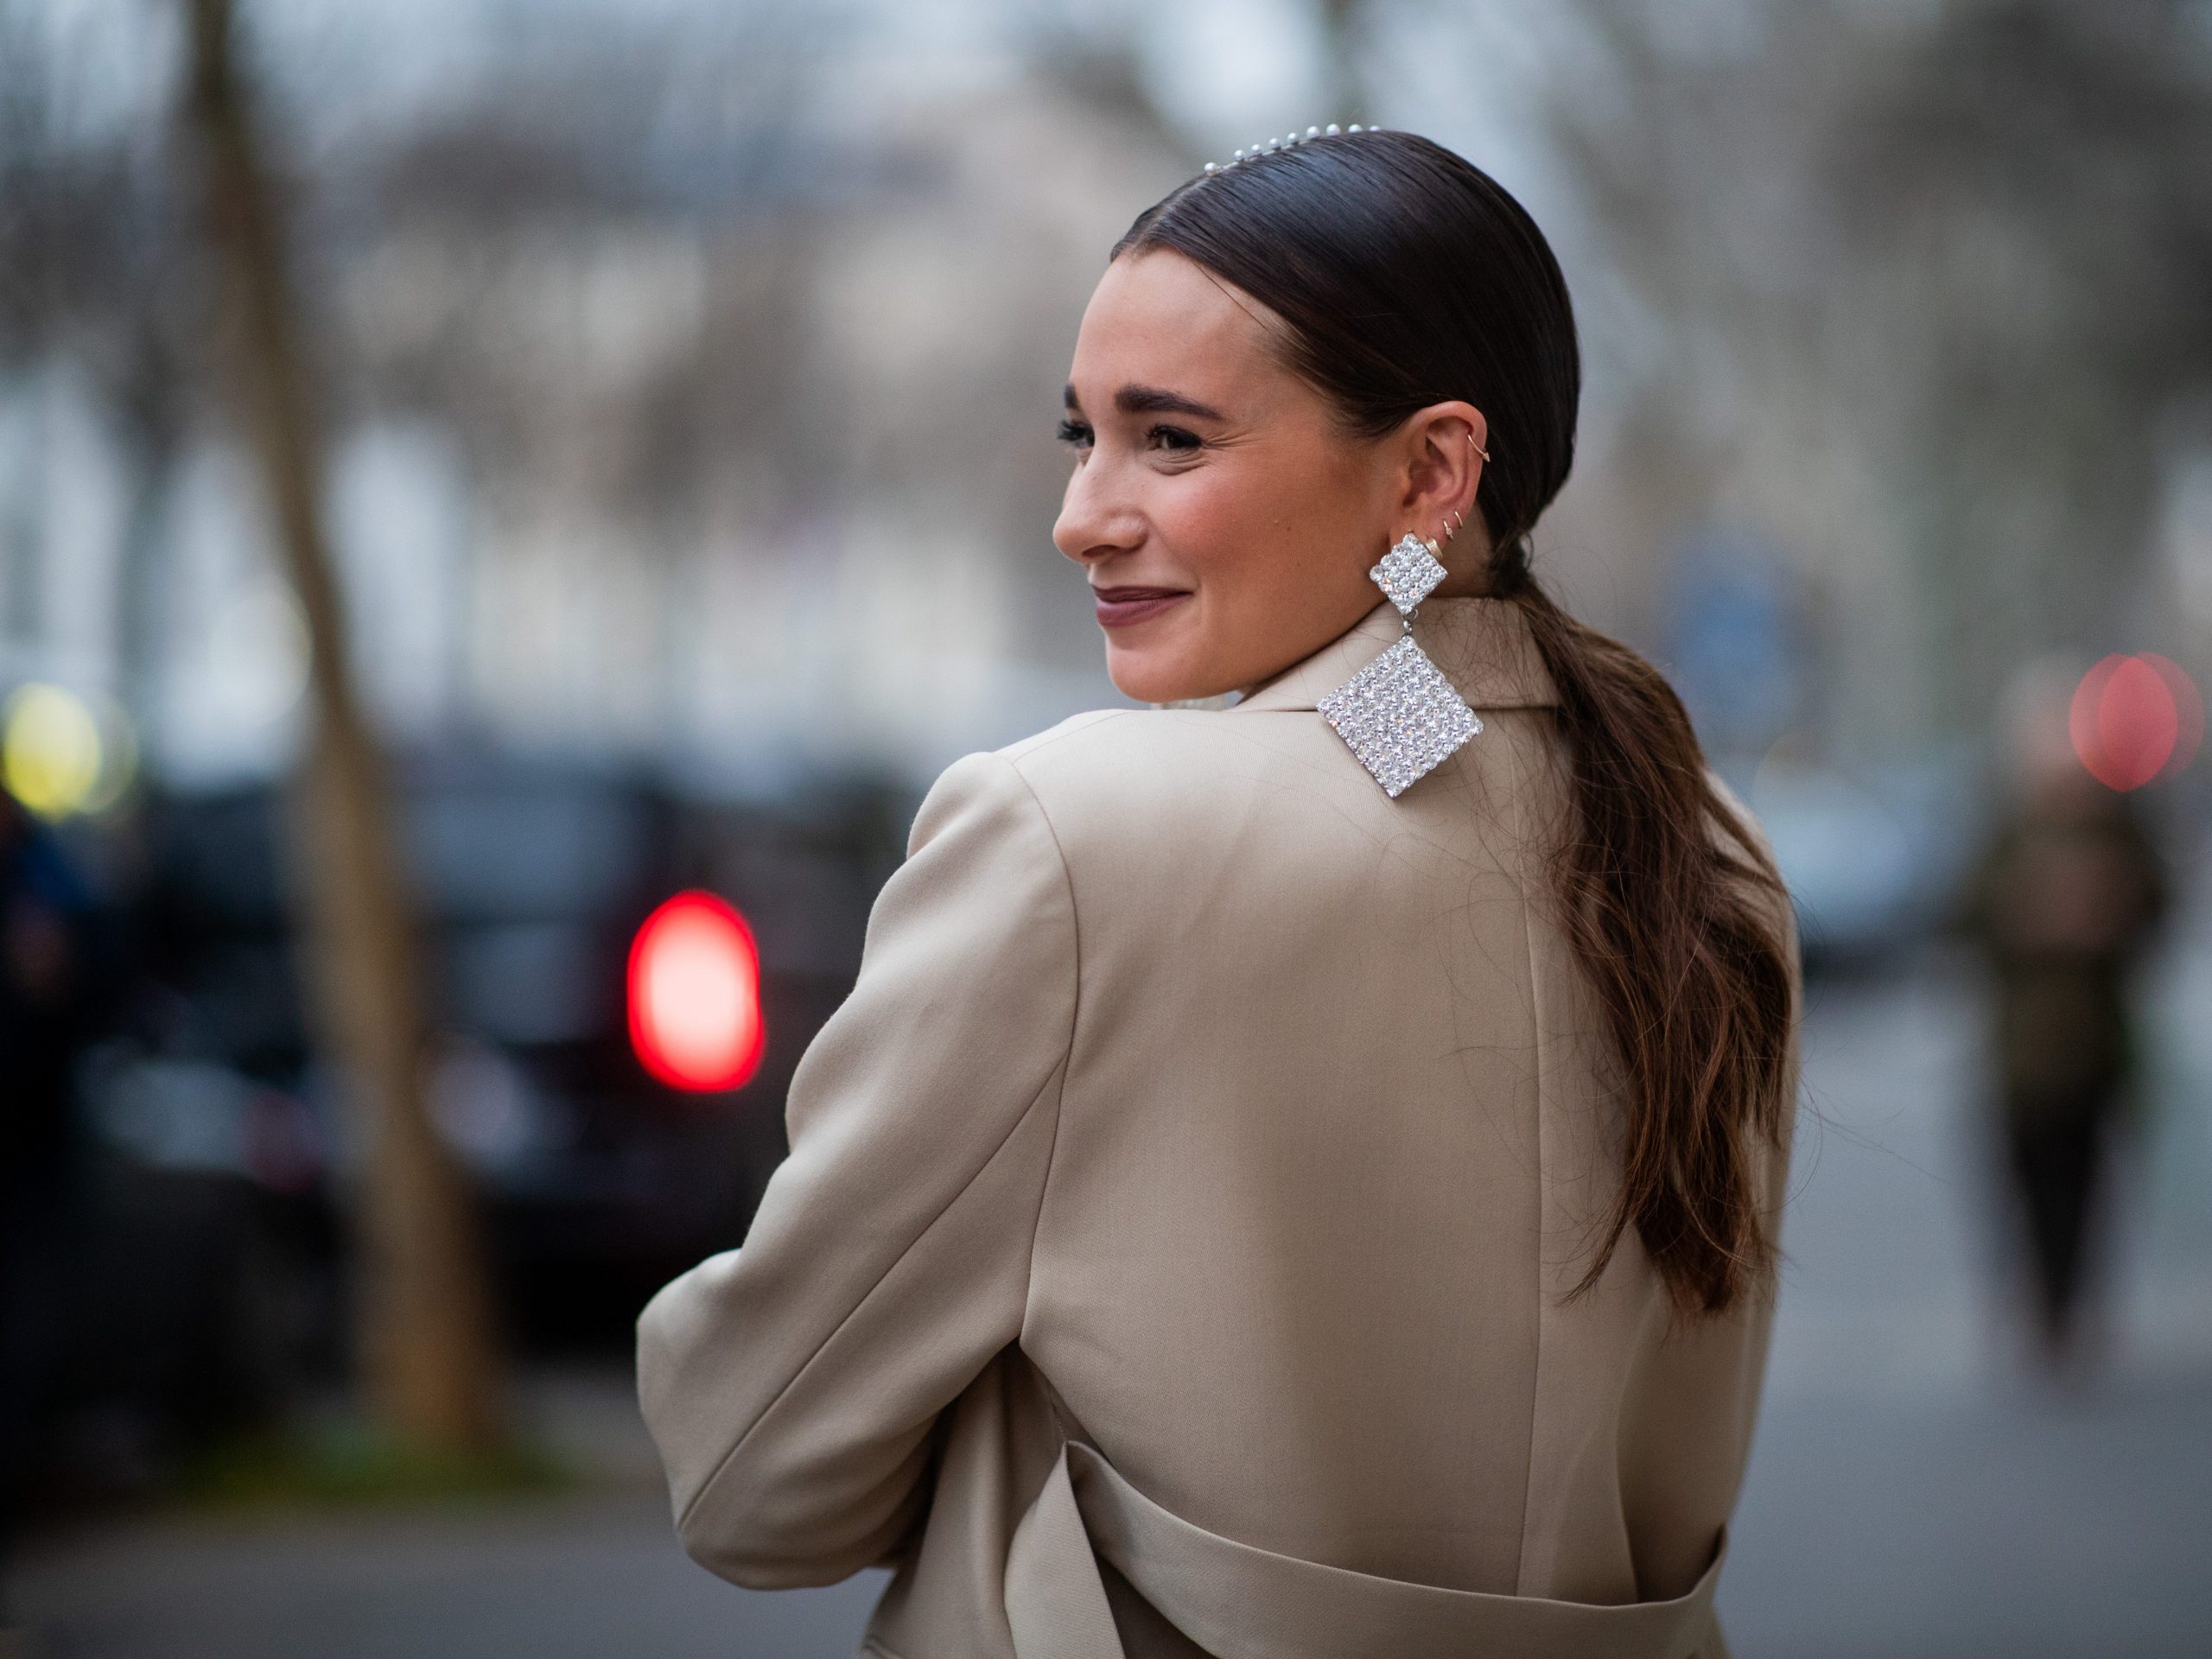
[1241, 1602]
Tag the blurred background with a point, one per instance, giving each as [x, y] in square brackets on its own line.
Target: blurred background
[505, 506]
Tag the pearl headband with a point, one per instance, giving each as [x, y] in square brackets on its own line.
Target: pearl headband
[1288, 141]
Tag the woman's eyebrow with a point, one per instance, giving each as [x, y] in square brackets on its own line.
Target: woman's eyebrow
[1155, 400]
[1147, 400]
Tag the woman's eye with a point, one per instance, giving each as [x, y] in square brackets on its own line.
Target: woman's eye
[1077, 433]
[1176, 438]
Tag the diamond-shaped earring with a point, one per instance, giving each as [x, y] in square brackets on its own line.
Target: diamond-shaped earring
[1399, 715]
[1408, 574]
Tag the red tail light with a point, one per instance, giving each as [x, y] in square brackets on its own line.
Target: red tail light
[695, 995]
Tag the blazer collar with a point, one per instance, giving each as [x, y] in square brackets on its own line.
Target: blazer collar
[1483, 646]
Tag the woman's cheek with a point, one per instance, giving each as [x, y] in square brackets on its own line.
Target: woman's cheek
[1214, 526]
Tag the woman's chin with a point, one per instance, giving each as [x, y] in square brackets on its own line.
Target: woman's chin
[1151, 676]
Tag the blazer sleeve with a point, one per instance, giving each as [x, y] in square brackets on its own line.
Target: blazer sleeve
[791, 1384]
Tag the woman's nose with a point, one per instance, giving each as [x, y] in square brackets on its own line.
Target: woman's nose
[1093, 523]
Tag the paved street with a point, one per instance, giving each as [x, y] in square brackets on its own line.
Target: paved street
[578, 1580]
[1916, 1493]
[1915, 1490]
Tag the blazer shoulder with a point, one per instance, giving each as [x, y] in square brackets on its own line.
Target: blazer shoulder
[1083, 734]
[1121, 769]
[1017, 798]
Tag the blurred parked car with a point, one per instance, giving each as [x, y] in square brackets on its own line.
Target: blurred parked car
[224, 1148]
[1872, 862]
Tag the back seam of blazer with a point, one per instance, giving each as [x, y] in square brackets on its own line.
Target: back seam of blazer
[1536, 1050]
[1067, 1054]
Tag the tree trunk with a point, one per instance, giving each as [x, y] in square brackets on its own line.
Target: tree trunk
[424, 1318]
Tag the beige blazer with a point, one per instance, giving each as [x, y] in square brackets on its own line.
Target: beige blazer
[1170, 1255]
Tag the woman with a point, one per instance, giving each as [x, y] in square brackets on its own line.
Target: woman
[1253, 1203]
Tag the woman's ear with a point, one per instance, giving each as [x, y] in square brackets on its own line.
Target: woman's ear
[1443, 466]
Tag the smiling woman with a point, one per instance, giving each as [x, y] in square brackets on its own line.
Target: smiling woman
[1215, 493]
[1303, 1178]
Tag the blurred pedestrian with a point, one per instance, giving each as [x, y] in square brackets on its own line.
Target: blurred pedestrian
[2064, 899]
[1302, 1175]
[53, 985]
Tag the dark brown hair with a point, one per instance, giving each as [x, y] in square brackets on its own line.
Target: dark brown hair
[1407, 276]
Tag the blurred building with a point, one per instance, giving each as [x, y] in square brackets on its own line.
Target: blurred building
[696, 367]
[726, 444]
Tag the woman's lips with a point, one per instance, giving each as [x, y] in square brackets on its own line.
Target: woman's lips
[1119, 606]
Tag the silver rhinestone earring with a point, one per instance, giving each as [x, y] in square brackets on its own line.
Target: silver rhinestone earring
[1399, 715]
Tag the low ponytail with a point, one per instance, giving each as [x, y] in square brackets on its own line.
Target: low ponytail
[1407, 277]
[1668, 903]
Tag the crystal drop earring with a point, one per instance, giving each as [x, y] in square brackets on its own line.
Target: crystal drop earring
[1399, 715]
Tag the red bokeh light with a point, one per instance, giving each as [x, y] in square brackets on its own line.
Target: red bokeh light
[695, 995]
[2135, 718]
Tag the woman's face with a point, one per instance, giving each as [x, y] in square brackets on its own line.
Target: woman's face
[1226, 521]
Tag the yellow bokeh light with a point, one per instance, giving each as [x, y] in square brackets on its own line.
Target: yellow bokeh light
[49, 750]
